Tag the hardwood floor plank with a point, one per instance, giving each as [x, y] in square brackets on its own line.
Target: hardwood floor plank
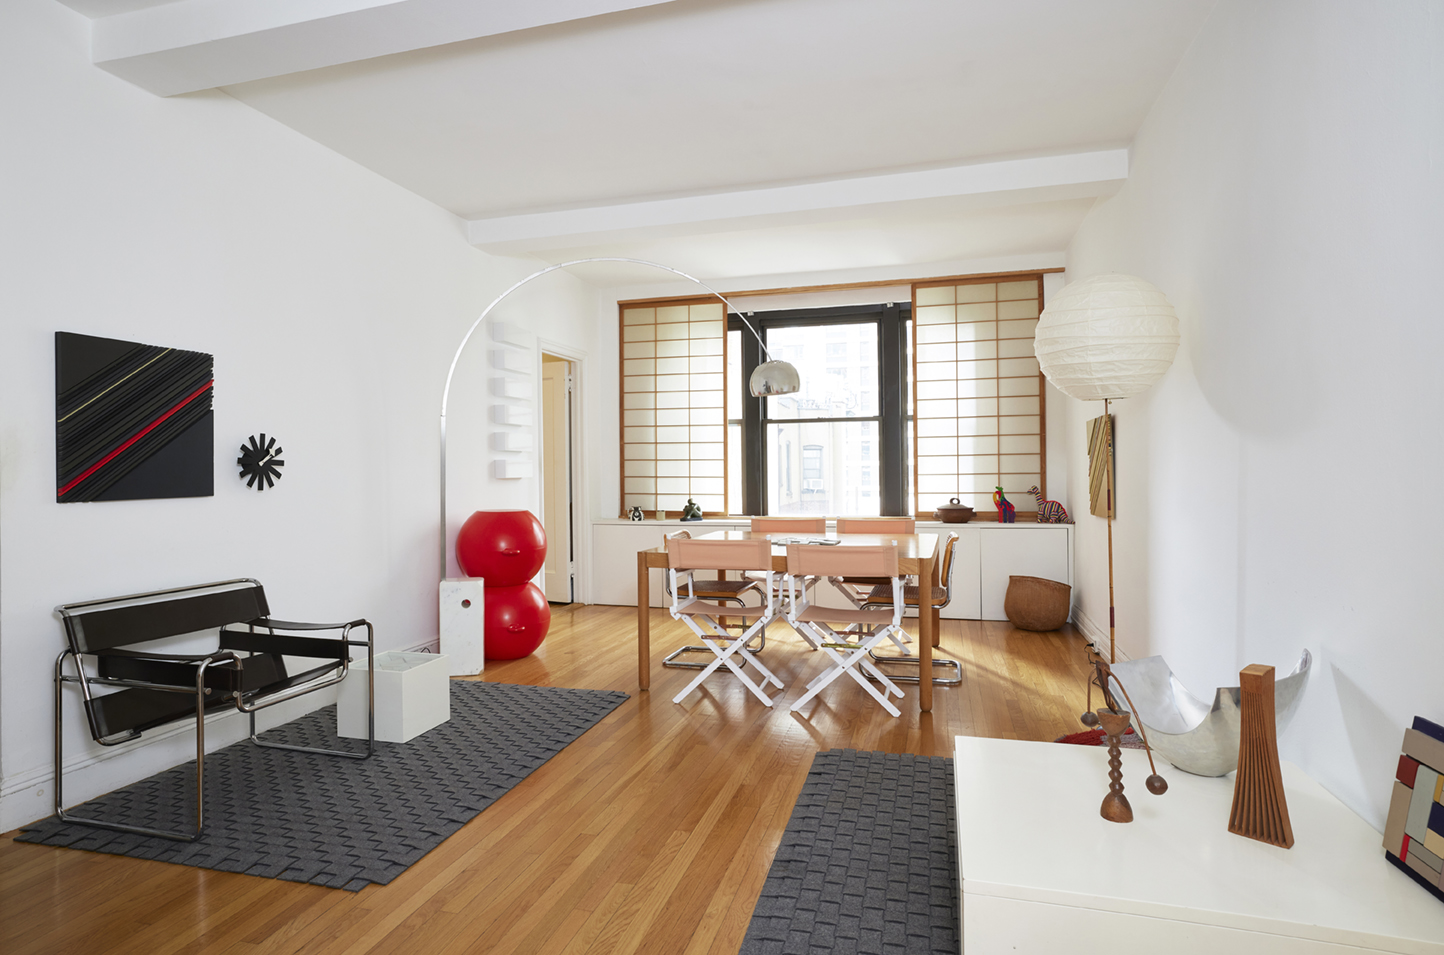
[653, 832]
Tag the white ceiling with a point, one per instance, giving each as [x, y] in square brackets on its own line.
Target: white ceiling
[615, 107]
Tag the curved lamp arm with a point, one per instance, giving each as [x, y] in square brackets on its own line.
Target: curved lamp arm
[451, 372]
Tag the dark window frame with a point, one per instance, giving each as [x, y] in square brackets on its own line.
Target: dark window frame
[891, 319]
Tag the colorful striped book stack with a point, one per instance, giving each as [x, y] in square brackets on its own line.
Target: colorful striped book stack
[1414, 833]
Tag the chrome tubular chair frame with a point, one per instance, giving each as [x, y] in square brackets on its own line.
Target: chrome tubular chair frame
[220, 678]
[906, 659]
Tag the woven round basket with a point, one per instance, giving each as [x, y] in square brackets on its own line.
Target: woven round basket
[1036, 603]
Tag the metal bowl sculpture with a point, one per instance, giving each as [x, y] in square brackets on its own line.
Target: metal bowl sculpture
[1193, 736]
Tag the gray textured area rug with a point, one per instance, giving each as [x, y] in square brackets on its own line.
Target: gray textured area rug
[868, 863]
[343, 823]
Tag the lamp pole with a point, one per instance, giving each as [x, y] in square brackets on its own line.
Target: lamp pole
[1112, 628]
[451, 372]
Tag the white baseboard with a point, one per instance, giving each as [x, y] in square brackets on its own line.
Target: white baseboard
[1096, 636]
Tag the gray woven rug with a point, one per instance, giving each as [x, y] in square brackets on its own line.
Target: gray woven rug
[868, 863]
[343, 823]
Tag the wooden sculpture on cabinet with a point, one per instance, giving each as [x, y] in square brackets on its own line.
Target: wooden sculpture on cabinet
[1260, 810]
[1114, 720]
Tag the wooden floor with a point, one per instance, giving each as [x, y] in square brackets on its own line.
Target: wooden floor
[651, 833]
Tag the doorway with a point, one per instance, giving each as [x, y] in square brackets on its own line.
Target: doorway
[558, 577]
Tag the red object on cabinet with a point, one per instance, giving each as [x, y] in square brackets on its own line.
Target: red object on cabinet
[517, 619]
[506, 548]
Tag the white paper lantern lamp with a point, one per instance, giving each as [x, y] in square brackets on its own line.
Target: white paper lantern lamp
[1105, 337]
[1108, 336]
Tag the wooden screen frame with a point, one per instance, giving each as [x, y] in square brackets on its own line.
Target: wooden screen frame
[622, 307]
[983, 279]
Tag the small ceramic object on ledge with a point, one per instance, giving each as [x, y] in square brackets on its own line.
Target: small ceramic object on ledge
[953, 512]
[661, 515]
[692, 512]
[636, 513]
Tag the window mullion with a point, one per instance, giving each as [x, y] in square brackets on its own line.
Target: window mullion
[754, 461]
[892, 395]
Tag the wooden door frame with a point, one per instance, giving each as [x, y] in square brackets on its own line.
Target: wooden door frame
[581, 500]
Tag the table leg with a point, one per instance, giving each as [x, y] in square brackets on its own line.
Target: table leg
[927, 633]
[644, 623]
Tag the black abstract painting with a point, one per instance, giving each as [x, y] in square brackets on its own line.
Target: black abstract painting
[131, 421]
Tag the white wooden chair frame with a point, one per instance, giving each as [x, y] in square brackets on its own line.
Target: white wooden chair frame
[847, 651]
[700, 616]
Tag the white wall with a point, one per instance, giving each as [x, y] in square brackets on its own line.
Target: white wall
[1276, 488]
[332, 301]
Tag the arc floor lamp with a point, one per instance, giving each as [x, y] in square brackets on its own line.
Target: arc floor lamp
[772, 377]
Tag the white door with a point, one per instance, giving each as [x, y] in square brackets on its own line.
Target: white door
[556, 478]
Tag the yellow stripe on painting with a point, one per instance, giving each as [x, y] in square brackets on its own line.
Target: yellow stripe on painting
[117, 384]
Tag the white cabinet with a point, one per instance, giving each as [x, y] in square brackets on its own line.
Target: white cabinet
[1040, 871]
[987, 554]
[614, 555]
[1027, 550]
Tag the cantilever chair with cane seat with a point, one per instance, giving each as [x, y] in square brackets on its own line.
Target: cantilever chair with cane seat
[884, 596]
[858, 589]
[847, 651]
[684, 558]
[718, 590]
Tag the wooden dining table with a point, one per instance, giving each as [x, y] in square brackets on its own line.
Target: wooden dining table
[916, 554]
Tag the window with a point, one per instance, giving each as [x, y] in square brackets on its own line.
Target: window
[902, 406]
[823, 450]
[674, 411]
[979, 412]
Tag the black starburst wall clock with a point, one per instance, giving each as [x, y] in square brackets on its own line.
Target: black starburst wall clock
[260, 462]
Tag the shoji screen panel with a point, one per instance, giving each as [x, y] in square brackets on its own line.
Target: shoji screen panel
[674, 411]
[978, 394]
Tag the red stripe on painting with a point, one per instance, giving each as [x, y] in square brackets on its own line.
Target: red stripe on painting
[136, 437]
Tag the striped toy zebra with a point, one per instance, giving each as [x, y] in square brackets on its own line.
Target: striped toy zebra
[1049, 512]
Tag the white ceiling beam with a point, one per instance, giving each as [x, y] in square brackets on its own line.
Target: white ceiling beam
[1040, 179]
[191, 45]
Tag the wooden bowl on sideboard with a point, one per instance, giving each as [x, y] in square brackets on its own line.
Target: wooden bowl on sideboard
[954, 513]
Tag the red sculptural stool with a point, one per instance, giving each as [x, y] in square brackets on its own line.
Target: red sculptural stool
[506, 548]
[517, 619]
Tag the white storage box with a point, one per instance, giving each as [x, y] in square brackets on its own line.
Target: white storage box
[413, 694]
[462, 614]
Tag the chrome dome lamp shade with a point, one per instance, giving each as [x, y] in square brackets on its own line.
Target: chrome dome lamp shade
[774, 378]
[1190, 734]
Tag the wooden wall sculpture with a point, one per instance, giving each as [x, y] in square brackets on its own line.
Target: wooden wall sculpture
[1260, 810]
[131, 421]
[1100, 466]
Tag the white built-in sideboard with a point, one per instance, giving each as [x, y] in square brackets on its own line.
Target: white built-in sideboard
[987, 555]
